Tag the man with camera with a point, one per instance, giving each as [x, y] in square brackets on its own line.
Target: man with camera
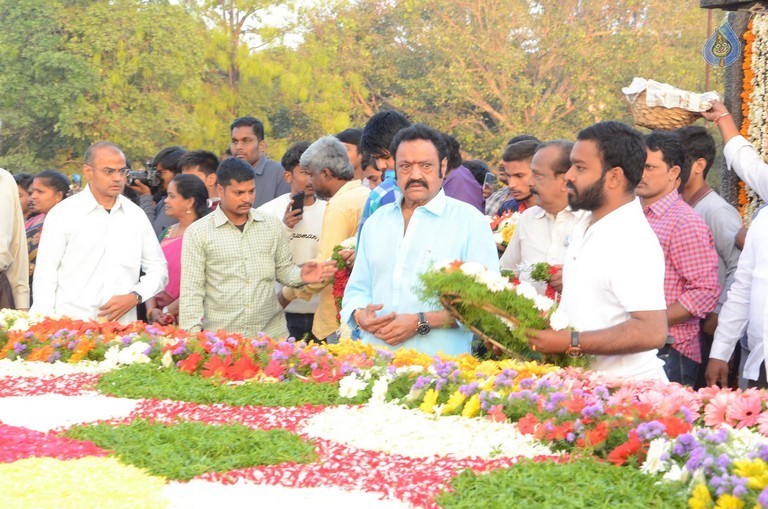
[95, 245]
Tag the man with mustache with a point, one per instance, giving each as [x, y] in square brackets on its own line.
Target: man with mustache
[545, 230]
[404, 239]
[231, 259]
[613, 275]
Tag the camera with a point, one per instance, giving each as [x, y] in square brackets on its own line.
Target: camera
[150, 176]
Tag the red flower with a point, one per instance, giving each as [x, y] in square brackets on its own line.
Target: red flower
[191, 363]
[216, 366]
[594, 436]
[675, 426]
[274, 369]
[243, 369]
[527, 425]
[632, 447]
[496, 413]
[559, 432]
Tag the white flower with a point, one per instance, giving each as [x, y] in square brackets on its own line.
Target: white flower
[167, 359]
[350, 386]
[526, 289]
[676, 473]
[498, 237]
[349, 243]
[442, 265]
[379, 391]
[543, 303]
[472, 268]
[559, 320]
[134, 354]
[510, 325]
[493, 280]
[653, 463]
[20, 324]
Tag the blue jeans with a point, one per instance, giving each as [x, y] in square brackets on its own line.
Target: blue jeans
[678, 367]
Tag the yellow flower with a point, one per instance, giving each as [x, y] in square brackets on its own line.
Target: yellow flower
[454, 402]
[507, 232]
[728, 501]
[472, 408]
[410, 357]
[756, 472]
[700, 498]
[430, 399]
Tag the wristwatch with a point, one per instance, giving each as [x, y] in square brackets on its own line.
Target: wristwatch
[139, 300]
[574, 350]
[423, 328]
[166, 311]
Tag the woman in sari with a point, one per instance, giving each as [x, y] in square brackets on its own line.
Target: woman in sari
[186, 202]
[48, 188]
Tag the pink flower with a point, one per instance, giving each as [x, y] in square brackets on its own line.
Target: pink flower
[716, 411]
[762, 423]
[745, 408]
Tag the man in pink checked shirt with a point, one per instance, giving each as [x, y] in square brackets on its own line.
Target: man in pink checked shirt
[691, 283]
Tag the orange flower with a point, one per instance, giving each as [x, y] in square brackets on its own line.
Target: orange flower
[191, 363]
[41, 354]
[216, 366]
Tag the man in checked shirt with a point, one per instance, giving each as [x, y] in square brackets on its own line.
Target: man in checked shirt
[691, 283]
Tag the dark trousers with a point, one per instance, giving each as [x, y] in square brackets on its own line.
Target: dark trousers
[300, 325]
[6, 292]
[678, 367]
[761, 382]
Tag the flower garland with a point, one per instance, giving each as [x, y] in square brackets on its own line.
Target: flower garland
[500, 306]
[343, 271]
[754, 103]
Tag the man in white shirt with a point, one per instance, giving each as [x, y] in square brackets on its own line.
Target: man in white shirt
[613, 275]
[94, 246]
[544, 231]
[303, 226]
[14, 268]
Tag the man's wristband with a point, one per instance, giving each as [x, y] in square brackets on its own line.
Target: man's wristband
[721, 117]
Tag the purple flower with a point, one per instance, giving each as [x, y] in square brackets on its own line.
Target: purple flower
[469, 389]
[19, 347]
[650, 430]
[570, 437]
[763, 498]
[593, 410]
[126, 340]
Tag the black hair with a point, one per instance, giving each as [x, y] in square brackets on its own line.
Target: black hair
[697, 144]
[454, 152]
[292, 156]
[563, 163]
[478, 168]
[169, 157]
[23, 180]
[252, 122]
[619, 146]
[523, 137]
[206, 161]
[54, 180]
[234, 169]
[522, 150]
[189, 186]
[671, 151]
[351, 136]
[380, 130]
[422, 132]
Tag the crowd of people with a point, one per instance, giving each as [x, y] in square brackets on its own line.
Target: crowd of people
[654, 267]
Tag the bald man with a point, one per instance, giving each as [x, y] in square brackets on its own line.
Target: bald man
[94, 246]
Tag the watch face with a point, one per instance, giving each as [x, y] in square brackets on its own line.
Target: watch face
[423, 329]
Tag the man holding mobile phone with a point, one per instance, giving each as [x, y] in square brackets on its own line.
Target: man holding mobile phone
[302, 214]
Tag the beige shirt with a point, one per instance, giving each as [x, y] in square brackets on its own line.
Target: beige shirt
[14, 258]
[342, 215]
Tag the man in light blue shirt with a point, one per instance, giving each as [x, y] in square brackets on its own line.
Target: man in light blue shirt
[403, 240]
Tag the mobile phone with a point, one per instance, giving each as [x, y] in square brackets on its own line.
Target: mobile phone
[490, 179]
[298, 201]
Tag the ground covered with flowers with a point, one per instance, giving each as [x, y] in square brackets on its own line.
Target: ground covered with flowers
[156, 417]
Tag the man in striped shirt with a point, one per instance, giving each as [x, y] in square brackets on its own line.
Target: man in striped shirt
[691, 283]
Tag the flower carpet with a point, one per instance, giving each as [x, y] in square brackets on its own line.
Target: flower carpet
[139, 416]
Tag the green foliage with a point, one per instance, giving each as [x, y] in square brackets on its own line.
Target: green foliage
[147, 381]
[148, 74]
[582, 483]
[188, 449]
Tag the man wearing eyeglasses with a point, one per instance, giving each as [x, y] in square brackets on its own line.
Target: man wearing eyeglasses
[94, 247]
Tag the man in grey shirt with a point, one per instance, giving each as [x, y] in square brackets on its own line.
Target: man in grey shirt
[248, 144]
[722, 218]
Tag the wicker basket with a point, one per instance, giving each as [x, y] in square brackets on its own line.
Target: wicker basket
[450, 301]
[658, 117]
